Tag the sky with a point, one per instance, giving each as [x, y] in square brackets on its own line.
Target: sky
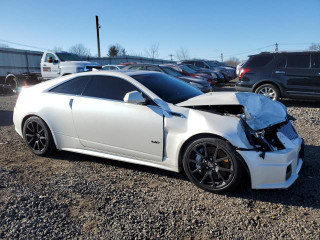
[205, 28]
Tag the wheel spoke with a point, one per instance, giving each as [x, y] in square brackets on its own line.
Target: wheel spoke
[31, 129]
[196, 170]
[197, 152]
[39, 128]
[220, 176]
[211, 178]
[204, 177]
[225, 169]
[205, 150]
[215, 154]
[193, 161]
[221, 159]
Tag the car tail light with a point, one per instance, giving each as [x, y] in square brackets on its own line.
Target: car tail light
[243, 71]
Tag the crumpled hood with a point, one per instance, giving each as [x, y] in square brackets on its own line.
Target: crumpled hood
[260, 111]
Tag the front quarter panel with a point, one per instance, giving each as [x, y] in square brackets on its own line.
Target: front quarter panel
[178, 129]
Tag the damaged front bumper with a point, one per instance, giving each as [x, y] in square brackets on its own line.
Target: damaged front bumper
[277, 169]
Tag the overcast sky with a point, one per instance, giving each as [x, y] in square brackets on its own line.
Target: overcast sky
[205, 28]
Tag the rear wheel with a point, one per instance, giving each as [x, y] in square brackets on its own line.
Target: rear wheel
[268, 90]
[38, 136]
[12, 82]
[212, 165]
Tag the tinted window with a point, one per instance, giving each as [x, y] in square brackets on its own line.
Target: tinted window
[136, 68]
[316, 60]
[108, 87]
[168, 88]
[200, 64]
[152, 68]
[173, 72]
[298, 60]
[69, 57]
[74, 86]
[258, 61]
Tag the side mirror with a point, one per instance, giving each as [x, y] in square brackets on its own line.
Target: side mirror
[134, 97]
[55, 61]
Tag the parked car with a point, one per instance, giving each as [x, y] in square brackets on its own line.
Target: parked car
[186, 70]
[228, 73]
[239, 66]
[282, 75]
[199, 83]
[112, 67]
[157, 120]
[220, 77]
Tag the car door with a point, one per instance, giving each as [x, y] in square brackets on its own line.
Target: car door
[58, 114]
[315, 65]
[50, 66]
[296, 73]
[104, 122]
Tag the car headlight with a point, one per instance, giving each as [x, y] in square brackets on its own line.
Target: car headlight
[79, 69]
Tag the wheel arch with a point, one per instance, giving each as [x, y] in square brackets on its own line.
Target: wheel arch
[34, 115]
[207, 135]
[268, 82]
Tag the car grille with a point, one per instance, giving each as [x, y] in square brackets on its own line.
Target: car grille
[288, 131]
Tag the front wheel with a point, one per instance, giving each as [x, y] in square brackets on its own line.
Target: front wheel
[212, 165]
[38, 136]
[268, 90]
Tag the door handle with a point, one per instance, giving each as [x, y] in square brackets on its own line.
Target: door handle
[70, 103]
[280, 72]
[44, 65]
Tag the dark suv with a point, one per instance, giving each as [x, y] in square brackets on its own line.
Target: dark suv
[283, 74]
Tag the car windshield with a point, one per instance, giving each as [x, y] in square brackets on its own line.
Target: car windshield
[168, 88]
[212, 64]
[69, 57]
[172, 72]
[194, 67]
[187, 69]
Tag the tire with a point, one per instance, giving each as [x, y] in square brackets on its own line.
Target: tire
[216, 169]
[38, 137]
[12, 81]
[269, 90]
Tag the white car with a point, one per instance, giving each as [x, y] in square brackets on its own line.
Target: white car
[154, 119]
[112, 67]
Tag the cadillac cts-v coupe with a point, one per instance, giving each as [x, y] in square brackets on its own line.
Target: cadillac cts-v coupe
[160, 121]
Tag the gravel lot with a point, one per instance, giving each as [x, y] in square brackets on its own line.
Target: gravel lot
[77, 196]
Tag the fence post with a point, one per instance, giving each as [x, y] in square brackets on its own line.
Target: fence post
[27, 61]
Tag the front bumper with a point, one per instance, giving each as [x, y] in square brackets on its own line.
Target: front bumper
[278, 169]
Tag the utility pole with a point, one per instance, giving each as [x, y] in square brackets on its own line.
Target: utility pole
[276, 47]
[221, 57]
[171, 57]
[98, 37]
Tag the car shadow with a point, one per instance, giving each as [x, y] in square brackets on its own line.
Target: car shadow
[305, 192]
[300, 103]
[6, 118]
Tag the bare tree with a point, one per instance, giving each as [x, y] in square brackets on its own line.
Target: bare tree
[314, 47]
[2, 45]
[182, 54]
[57, 49]
[153, 51]
[116, 50]
[80, 50]
[232, 61]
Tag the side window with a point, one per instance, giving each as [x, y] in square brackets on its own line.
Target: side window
[298, 60]
[315, 61]
[200, 64]
[108, 87]
[136, 68]
[49, 55]
[74, 86]
[152, 68]
[258, 61]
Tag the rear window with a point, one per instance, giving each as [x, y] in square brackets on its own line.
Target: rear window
[258, 61]
[298, 61]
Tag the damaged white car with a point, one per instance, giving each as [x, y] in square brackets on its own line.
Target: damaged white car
[157, 120]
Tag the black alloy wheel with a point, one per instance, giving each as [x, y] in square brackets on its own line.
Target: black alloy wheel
[211, 165]
[38, 136]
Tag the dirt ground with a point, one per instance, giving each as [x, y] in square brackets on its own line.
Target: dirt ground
[77, 196]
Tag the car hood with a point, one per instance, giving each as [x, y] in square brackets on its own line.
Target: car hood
[260, 111]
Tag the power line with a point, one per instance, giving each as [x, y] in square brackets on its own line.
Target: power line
[23, 45]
